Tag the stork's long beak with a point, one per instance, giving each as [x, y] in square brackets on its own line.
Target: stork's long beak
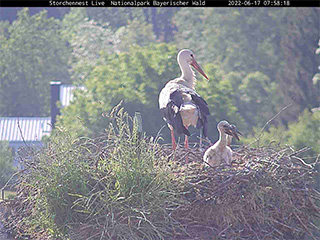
[236, 134]
[233, 131]
[198, 68]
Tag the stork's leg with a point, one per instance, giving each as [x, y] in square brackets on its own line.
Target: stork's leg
[174, 145]
[186, 146]
[200, 143]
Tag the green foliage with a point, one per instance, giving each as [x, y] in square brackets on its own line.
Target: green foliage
[218, 92]
[316, 77]
[274, 135]
[232, 37]
[190, 25]
[238, 98]
[133, 34]
[87, 39]
[32, 53]
[159, 18]
[115, 181]
[6, 164]
[278, 43]
[233, 40]
[162, 22]
[298, 45]
[116, 17]
[255, 97]
[135, 77]
[306, 132]
[138, 78]
[303, 133]
[62, 170]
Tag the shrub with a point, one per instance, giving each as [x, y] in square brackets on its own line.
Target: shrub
[110, 187]
[303, 133]
[6, 164]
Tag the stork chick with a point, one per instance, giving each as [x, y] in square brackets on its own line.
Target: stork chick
[220, 152]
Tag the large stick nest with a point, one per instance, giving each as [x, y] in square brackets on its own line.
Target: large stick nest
[267, 193]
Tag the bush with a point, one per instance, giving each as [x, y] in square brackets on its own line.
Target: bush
[111, 187]
[6, 163]
[305, 133]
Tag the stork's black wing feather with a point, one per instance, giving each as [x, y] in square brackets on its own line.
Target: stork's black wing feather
[172, 113]
[204, 112]
[176, 98]
[201, 103]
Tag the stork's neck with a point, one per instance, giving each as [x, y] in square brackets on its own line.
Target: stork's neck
[222, 139]
[187, 74]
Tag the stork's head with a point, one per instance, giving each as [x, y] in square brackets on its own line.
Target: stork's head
[187, 56]
[229, 129]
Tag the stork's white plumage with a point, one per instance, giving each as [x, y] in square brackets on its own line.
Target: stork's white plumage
[179, 103]
[220, 152]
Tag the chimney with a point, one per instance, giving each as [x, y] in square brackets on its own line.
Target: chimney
[55, 97]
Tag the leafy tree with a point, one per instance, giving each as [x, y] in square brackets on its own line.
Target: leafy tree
[135, 77]
[316, 77]
[255, 97]
[11, 13]
[133, 34]
[190, 32]
[116, 17]
[218, 93]
[240, 39]
[247, 56]
[159, 18]
[162, 22]
[298, 44]
[6, 167]
[305, 132]
[4, 25]
[32, 54]
[87, 39]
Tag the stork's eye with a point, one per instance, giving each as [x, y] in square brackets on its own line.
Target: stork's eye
[191, 55]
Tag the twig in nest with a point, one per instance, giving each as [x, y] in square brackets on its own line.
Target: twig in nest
[303, 225]
[224, 230]
[302, 162]
[20, 130]
[267, 123]
[13, 175]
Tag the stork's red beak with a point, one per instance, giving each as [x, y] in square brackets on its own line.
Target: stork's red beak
[198, 68]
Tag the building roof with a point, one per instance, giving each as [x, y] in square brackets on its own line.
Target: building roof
[31, 128]
[66, 93]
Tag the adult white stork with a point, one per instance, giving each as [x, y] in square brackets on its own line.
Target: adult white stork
[220, 152]
[179, 103]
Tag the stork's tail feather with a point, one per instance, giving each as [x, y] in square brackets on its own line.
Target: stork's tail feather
[178, 125]
[174, 119]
